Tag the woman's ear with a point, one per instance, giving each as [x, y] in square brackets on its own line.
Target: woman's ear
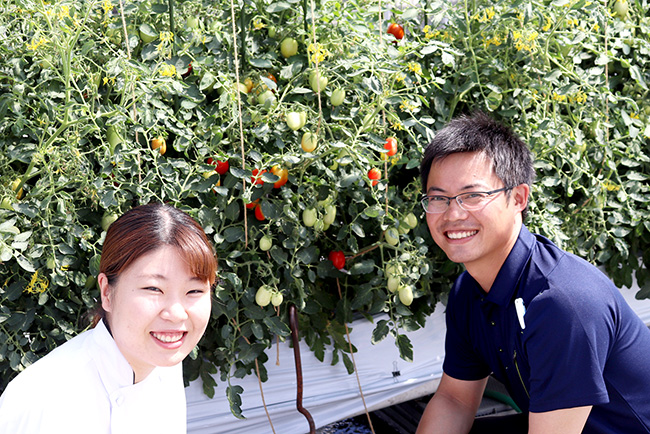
[520, 196]
[105, 292]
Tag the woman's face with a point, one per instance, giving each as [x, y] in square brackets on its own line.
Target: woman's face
[157, 311]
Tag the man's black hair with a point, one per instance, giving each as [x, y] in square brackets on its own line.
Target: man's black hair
[478, 132]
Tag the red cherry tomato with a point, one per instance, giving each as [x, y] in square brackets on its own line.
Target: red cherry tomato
[338, 259]
[258, 213]
[253, 204]
[374, 174]
[391, 146]
[257, 176]
[396, 30]
[221, 166]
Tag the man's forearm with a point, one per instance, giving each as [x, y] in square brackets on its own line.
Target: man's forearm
[443, 415]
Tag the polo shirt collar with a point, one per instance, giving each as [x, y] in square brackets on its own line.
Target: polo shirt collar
[507, 280]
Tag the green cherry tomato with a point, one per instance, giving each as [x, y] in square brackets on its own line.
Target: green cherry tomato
[107, 219]
[316, 80]
[337, 97]
[277, 298]
[393, 283]
[405, 294]
[263, 296]
[288, 47]
[309, 217]
[392, 236]
[411, 220]
[294, 121]
[266, 243]
[330, 214]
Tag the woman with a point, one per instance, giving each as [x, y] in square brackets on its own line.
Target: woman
[125, 374]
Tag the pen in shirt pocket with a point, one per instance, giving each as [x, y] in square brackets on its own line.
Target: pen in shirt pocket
[521, 311]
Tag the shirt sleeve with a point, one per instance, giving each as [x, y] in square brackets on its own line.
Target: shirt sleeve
[462, 361]
[567, 340]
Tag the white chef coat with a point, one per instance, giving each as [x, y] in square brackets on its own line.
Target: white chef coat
[86, 386]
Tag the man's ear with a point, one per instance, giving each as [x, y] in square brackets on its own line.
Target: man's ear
[520, 196]
[105, 292]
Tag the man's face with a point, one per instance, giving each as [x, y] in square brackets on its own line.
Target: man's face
[480, 239]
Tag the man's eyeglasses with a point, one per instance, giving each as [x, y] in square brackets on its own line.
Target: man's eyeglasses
[471, 201]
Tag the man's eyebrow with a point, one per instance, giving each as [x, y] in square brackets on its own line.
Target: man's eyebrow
[465, 188]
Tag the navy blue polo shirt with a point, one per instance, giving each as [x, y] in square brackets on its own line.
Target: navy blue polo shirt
[582, 344]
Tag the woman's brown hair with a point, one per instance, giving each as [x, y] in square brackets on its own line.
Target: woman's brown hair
[146, 228]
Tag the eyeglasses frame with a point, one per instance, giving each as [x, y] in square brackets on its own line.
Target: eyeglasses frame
[449, 199]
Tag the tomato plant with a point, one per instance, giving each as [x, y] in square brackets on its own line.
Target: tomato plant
[80, 104]
[338, 259]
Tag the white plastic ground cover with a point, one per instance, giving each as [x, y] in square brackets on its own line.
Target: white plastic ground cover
[329, 393]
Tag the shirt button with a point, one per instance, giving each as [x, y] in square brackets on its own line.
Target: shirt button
[491, 323]
[500, 350]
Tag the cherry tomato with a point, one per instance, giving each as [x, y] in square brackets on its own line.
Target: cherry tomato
[107, 219]
[309, 217]
[294, 120]
[221, 166]
[337, 97]
[390, 146]
[14, 186]
[374, 174]
[396, 30]
[330, 214]
[257, 176]
[266, 243]
[338, 259]
[160, 144]
[281, 173]
[253, 204]
[288, 47]
[392, 237]
[258, 213]
[393, 283]
[263, 296]
[318, 82]
[405, 295]
[277, 298]
[272, 77]
[411, 220]
[248, 82]
[308, 142]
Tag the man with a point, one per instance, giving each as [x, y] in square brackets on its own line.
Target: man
[548, 325]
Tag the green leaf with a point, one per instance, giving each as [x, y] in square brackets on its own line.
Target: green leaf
[405, 347]
[380, 331]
